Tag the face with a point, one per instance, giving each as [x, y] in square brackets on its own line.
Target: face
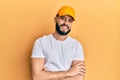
[63, 24]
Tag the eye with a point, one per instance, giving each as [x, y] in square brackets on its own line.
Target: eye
[70, 20]
[62, 18]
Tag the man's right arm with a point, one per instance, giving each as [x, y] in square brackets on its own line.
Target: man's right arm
[37, 65]
[38, 73]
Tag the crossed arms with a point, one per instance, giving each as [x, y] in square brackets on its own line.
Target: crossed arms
[76, 72]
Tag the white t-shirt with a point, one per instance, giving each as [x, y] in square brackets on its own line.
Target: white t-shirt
[58, 54]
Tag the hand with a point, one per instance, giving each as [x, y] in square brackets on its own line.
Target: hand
[76, 69]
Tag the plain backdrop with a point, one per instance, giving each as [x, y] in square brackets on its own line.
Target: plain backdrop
[97, 27]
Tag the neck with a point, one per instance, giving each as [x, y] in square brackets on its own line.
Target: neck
[59, 37]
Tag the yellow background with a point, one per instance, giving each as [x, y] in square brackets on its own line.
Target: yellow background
[97, 27]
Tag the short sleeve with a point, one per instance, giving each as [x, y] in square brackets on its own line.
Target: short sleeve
[37, 51]
[79, 53]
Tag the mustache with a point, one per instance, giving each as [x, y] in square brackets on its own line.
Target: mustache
[64, 25]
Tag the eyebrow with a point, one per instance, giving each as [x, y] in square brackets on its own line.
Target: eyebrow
[69, 16]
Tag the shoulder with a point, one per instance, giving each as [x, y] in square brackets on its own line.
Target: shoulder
[74, 41]
[43, 38]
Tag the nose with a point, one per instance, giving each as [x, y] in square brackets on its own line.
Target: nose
[66, 22]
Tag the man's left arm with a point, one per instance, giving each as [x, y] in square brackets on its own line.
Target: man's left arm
[78, 64]
[82, 70]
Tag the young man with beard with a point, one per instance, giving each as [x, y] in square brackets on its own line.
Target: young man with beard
[58, 56]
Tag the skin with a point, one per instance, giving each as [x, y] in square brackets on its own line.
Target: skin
[77, 70]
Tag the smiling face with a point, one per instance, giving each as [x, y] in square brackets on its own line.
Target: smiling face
[63, 24]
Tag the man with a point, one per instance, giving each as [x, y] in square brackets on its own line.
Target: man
[58, 56]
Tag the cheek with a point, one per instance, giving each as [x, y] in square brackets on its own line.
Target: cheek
[60, 22]
[70, 25]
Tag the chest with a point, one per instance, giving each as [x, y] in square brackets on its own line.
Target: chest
[59, 52]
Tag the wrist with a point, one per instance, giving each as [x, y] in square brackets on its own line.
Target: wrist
[67, 74]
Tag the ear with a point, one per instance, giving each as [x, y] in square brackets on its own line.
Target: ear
[55, 19]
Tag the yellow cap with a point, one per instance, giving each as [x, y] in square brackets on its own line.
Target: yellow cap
[66, 10]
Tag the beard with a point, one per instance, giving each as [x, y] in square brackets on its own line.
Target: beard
[62, 32]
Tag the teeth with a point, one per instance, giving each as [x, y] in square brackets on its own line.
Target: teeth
[64, 27]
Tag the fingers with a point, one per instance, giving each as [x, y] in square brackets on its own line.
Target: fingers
[77, 68]
[82, 71]
[81, 68]
[79, 64]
